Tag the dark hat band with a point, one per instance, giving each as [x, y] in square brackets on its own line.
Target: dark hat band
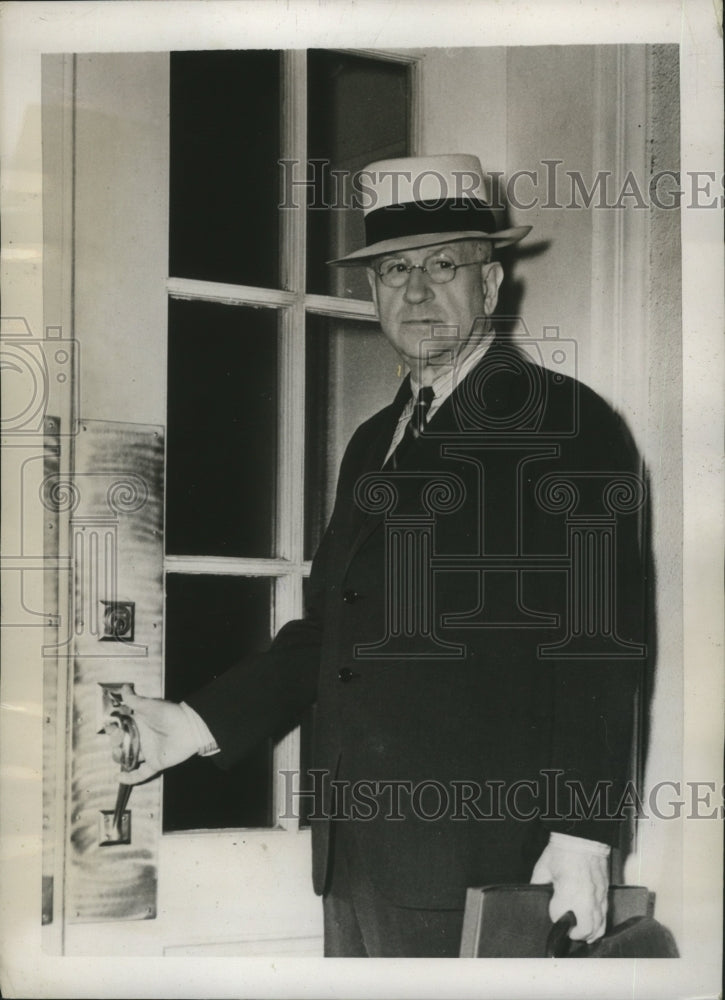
[445, 215]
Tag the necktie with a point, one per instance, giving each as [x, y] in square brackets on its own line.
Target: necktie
[414, 428]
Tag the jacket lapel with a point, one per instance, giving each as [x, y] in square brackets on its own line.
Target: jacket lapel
[447, 423]
[371, 460]
[374, 456]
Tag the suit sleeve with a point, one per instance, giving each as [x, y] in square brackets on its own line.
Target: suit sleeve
[595, 701]
[265, 694]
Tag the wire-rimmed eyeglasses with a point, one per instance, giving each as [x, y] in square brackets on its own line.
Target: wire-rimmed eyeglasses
[394, 271]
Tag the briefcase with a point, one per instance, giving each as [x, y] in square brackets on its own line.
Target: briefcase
[512, 921]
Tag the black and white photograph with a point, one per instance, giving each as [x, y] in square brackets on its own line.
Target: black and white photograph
[362, 499]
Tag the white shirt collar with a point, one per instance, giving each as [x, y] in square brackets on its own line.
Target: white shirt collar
[451, 376]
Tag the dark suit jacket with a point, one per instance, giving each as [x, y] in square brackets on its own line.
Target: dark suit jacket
[501, 685]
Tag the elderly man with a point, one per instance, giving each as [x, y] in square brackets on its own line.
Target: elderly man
[474, 633]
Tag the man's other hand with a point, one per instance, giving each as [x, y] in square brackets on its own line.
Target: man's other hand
[581, 881]
[165, 735]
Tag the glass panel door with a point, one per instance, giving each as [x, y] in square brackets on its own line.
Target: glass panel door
[223, 214]
[211, 622]
[257, 373]
[222, 430]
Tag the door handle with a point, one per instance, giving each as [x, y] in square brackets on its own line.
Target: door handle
[116, 827]
[130, 747]
[130, 752]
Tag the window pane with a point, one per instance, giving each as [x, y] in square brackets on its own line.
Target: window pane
[357, 112]
[351, 373]
[222, 430]
[225, 109]
[211, 622]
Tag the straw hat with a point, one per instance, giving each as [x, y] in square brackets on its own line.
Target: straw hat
[420, 201]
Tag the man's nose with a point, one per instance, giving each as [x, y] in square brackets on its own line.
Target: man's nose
[417, 288]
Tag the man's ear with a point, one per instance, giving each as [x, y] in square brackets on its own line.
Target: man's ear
[491, 278]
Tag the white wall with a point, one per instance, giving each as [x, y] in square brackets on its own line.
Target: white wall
[121, 226]
[463, 98]
[551, 116]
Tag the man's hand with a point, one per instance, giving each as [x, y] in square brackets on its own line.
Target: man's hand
[166, 736]
[581, 880]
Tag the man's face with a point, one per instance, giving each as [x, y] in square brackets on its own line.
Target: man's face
[412, 313]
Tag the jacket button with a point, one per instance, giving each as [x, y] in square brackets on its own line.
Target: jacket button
[350, 596]
[346, 675]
